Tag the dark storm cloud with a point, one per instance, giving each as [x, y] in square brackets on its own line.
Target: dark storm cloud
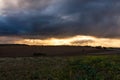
[60, 18]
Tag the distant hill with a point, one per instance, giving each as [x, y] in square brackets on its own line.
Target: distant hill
[13, 45]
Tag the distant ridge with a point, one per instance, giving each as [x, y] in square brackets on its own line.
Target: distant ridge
[50, 45]
[98, 47]
[14, 45]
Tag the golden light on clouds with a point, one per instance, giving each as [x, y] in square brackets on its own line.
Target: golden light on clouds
[76, 41]
[1, 4]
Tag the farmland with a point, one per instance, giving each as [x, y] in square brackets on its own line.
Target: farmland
[23, 62]
[89, 67]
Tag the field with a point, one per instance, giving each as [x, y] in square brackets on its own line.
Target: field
[89, 67]
[30, 51]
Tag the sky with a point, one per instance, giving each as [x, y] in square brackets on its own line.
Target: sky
[60, 22]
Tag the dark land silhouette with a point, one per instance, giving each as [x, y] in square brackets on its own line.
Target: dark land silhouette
[24, 62]
[22, 50]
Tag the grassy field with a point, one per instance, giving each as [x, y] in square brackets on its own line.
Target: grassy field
[106, 67]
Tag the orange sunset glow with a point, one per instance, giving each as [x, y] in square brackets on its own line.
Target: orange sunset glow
[74, 41]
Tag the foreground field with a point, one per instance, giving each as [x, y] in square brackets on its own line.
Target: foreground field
[105, 67]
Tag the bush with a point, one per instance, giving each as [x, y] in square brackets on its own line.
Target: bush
[39, 54]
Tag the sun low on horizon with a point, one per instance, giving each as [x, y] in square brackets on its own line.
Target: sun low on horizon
[79, 40]
[60, 22]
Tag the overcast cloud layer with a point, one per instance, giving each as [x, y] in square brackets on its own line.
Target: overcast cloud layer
[60, 18]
